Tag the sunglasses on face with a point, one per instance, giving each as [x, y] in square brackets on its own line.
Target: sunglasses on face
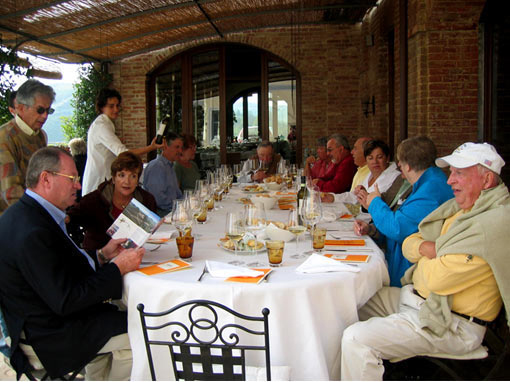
[42, 110]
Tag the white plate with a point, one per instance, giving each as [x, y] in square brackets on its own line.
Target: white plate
[255, 192]
[243, 252]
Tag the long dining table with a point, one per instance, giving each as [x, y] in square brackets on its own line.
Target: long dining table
[308, 312]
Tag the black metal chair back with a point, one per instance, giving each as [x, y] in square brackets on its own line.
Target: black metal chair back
[201, 340]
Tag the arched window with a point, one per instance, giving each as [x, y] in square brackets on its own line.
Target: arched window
[229, 96]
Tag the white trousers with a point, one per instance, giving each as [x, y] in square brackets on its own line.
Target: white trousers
[115, 364]
[394, 331]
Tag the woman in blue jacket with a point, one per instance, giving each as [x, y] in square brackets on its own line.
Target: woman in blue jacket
[416, 158]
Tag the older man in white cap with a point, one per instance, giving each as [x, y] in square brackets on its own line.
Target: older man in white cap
[459, 280]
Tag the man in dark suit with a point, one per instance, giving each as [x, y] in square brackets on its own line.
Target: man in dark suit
[51, 292]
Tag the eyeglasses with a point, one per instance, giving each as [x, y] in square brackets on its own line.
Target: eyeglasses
[75, 179]
[42, 110]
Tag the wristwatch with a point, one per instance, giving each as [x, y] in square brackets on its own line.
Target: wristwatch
[102, 257]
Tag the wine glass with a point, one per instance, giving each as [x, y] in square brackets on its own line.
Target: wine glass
[255, 222]
[234, 230]
[237, 170]
[194, 204]
[311, 211]
[295, 226]
[181, 217]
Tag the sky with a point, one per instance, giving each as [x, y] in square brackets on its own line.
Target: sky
[63, 89]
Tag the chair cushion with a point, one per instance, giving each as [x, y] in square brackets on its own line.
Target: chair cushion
[478, 353]
[278, 373]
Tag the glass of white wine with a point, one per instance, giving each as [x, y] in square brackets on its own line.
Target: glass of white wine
[234, 230]
[295, 227]
[311, 212]
[255, 222]
[182, 218]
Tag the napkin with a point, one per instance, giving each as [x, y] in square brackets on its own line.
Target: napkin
[223, 270]
[319, 264]
[328, 216]
[275, 233]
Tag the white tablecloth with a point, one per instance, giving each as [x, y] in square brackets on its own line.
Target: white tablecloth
[308, 312]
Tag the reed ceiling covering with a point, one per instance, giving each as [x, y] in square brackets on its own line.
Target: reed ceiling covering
[108, 30]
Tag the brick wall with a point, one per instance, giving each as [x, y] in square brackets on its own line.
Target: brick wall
[442, 69]
[338, 70]
[330, 90]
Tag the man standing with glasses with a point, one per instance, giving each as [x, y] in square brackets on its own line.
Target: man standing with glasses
[21, 137]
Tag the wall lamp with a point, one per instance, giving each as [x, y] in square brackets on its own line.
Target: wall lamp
[368, 106]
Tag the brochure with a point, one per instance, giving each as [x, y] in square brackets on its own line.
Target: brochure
[167, 266]
[349, 258]
[136, 223]
[251, 280]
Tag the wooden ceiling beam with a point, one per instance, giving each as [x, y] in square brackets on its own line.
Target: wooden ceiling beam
[208, 18]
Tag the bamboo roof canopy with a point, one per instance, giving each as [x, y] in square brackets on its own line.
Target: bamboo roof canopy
[76, 31]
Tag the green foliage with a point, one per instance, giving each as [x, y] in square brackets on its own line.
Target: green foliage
[84, 97]
[10, 67]
[70, 130]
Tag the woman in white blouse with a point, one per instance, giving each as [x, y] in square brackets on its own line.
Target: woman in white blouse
[103, 145]
[382, 172]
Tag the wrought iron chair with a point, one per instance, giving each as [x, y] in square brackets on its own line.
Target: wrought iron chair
[202, 349]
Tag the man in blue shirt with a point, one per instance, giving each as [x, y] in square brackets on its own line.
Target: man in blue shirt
[416, 158]
[52, 292]
[159, 176]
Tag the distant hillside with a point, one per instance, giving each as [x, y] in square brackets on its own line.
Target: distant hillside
[62, 106]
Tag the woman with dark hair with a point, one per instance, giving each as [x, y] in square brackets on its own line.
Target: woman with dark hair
[97, 211]
[103, 145]
[186, 169]
[382, 172]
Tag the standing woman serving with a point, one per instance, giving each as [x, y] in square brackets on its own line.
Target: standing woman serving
[103, 145]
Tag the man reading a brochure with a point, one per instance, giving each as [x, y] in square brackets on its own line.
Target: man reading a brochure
[55, 296]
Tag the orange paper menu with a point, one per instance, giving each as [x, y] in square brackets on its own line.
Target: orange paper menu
[251, 280]
[167, 266]
[349, 258]
[355, 242]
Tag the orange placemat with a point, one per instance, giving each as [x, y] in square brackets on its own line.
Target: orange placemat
[355, 242]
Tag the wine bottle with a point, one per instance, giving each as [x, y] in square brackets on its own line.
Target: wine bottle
[165, 122]
[301, 197]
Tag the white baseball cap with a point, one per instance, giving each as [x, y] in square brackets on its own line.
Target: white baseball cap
[470, 154]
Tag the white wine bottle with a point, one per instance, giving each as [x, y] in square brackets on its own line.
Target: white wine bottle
[301, 197]
[163, 125]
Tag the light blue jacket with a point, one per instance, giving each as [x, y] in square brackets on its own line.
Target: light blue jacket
[429, 192]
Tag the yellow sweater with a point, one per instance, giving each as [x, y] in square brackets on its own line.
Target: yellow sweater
[468, 278]
[360, 176]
